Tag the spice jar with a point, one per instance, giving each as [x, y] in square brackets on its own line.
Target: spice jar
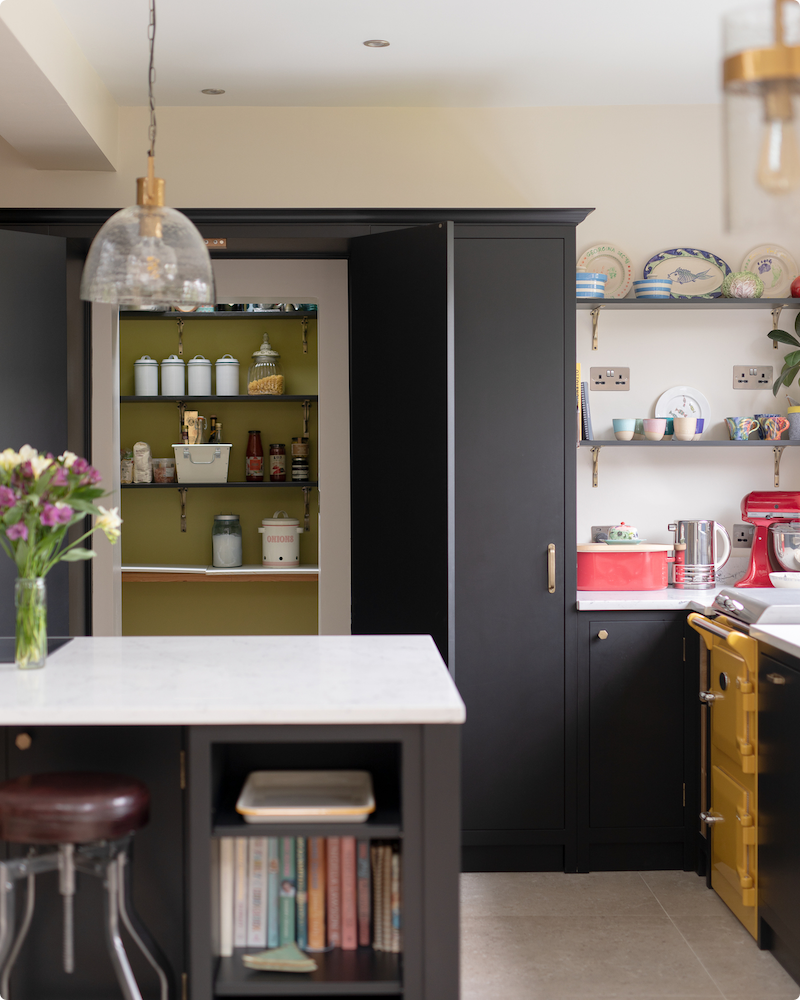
[300, 455]
[277, 463]
[226, 541]
[265, 375]
[254, 458]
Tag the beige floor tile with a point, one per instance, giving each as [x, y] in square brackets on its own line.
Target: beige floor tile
[684, 894]
[733, 960]
[555, 958]
[544, 894]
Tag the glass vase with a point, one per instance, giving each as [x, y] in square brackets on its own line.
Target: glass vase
[30, 601]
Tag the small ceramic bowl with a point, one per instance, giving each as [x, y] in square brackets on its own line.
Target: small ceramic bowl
[652, 288]
[785, 581]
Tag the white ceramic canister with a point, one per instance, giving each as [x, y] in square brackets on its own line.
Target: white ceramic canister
[173, 376]
[280, 537]
[227, 370]
[145, 376]
[199, 369]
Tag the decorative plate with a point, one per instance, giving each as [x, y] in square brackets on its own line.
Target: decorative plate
[695, 274]
[684, 401]
[775, 266]
[614, 263]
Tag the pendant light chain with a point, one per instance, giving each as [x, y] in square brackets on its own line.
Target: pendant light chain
[151, 35]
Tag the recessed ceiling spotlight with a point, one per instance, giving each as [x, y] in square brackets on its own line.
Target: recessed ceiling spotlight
[213, 92]
[376, 43]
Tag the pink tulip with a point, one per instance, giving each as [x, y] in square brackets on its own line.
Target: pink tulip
[16, 531]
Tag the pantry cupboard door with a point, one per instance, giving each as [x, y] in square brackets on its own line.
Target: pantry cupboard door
[33, 380]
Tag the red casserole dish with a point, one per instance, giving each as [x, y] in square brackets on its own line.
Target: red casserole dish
[623, 567]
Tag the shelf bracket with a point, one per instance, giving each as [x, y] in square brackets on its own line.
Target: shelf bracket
[306, 508]
[306, 411]
[180, 336]
[595, 464]
[595, 318]
[305, 335]
[778, 453]
[776, 318]
[183, 491]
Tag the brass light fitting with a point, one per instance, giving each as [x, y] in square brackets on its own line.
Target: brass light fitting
[758, 70]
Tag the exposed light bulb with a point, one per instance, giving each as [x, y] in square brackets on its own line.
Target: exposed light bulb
[152, 267]
[779, 159]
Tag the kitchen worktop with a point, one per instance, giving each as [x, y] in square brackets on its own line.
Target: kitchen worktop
[234, 680]
[783, 637]
[669, 599]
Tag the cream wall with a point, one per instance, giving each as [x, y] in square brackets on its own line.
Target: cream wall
[653, 174]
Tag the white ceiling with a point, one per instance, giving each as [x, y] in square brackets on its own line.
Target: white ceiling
[443, 53]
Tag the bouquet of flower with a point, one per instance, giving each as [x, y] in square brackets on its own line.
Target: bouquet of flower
[41, 497]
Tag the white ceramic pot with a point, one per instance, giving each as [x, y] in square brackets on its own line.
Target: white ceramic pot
[227, 371]
[199, 376]
[280, 540]
[173, 376]
[145, 376]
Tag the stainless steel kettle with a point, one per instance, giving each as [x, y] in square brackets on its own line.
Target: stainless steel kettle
[701, 549]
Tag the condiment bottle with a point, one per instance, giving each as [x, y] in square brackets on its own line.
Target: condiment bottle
[277, 463]
[300, 451]
[254, 459]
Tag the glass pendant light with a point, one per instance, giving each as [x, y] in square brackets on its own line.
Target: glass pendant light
[762, 114]
[149, 255]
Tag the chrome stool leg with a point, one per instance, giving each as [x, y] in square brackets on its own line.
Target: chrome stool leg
[119, 957]
[5, 973]
[7, 913]
[133, 926]
[66, 886]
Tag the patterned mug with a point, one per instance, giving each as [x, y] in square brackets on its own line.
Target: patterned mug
[771, 427]
[739, 428]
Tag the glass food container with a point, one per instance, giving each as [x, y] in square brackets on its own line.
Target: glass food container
[226, 541]
[265, 375]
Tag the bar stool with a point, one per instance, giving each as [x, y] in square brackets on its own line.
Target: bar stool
[91, 819]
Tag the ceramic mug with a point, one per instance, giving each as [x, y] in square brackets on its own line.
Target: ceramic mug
[771, 427]
[623, 428]
[701, 422]
[654, 428]
[670, 427]
[739, 428]
[685, 427]
[638, 430]
[763, 416]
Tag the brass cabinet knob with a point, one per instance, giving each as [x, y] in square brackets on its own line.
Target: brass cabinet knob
[602, 634]
[23, 741]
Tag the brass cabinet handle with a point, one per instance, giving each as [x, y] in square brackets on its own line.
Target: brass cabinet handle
[776, 678]
[602, 634]
[23, 741]
[551, 568]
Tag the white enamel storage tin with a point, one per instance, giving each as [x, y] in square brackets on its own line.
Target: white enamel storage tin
[199, 369]
[313, 796]
[202, 463]
[145, 376]
[280, 540]
[227, 371]
[173, 376]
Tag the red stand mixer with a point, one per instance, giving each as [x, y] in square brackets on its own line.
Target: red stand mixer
[762, 509]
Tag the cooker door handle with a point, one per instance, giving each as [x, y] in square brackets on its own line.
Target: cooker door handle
[551, 569]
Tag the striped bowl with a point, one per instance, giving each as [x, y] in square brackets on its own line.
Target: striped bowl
[652, 288]
[590, 285]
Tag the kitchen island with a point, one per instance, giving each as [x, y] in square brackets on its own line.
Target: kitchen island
[191, 716]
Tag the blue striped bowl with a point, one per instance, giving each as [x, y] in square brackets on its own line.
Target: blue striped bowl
[590, 285]
[652, 288]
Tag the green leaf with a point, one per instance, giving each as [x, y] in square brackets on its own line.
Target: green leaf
[91, 493]
[76, 555]
[783, 337]
[785, 378]
[83, 506]
[21, 556]
[791, 359]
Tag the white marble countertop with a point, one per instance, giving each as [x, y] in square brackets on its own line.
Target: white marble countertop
[783, 637]
[669, 599]
[234, 680]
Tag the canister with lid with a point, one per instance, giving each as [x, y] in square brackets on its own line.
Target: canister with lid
[199, 376]
[145, 376]
[173, 376]
[227, 371]
[280, 540]
[265, 375]
[226, 541]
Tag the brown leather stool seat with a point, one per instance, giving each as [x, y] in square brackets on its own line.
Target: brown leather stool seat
[72, 808]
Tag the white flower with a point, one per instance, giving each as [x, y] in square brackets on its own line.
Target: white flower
[67, 459]
[39, 463]
[9, 459]
[109, 522]
[27, 454]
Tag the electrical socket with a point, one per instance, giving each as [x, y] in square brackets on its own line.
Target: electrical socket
[752, 376]
[600, 532]
[610, 379]
[743, 535]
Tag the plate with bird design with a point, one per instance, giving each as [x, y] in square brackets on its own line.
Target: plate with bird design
[695, 274]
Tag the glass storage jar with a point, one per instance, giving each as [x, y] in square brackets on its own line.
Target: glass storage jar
[265, 375]
[226, 541]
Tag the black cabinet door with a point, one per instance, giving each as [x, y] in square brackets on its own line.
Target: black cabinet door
[400, 313]
[33, 380]
[509, 506]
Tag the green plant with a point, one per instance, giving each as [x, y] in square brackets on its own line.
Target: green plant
[791, 363]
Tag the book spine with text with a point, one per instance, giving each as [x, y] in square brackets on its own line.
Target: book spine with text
[257, 893]
[226, 878]
[334, 892]
[364, 890]
[376, 852]
[317, 940]
[302, 894]
[240, 893]
[386, 896]
[395, 902]
[273, 881]
[586, 413]
[349, 905]
[288, 891]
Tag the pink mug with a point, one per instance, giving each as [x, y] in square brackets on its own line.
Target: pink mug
[773, 427]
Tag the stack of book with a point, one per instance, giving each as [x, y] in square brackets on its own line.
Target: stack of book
[319, 892]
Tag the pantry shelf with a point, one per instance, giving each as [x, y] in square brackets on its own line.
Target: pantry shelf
[270, 314]
[219, 486]
[719, 303]
[211, 574]
[363, 972]
[262, 398]
[383, 824]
